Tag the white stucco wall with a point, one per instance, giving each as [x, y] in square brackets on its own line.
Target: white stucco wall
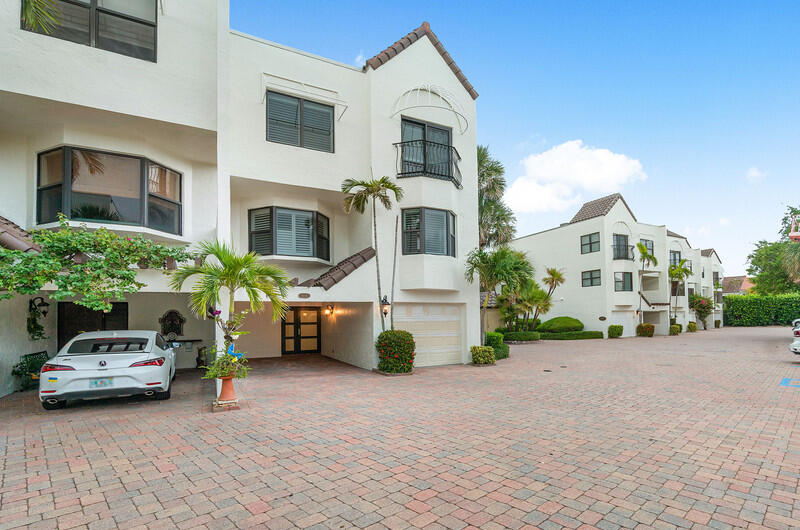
[14, 340]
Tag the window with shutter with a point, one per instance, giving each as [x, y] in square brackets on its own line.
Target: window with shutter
[294, 231]
[261, 231]
[317, 126]
[429, 231]
[283, 119]
[323, 237]
[412, 224]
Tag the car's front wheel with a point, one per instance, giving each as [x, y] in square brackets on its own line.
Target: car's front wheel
[54, 406]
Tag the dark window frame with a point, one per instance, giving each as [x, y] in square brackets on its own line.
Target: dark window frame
[588, 278]
[66, 188]
[273, 233]
[94, 11]
[620, 284]
[451, 233]
[300, 122]
[649, 245]
[673, 253]
[592, 245]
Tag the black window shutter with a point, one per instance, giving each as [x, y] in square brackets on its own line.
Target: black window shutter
[261, 231]
[283, 119]
[412, 242]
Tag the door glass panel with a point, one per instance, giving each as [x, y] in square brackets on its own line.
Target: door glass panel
[308, 330]
[413, 154]
[308, 316]
[308, 344]
[289, 317]
[289, 342]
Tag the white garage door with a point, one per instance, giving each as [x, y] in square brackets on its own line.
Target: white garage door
[437, 330]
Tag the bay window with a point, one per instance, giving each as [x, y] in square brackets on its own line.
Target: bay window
[288, 232]
[89, 185]
[429, 231]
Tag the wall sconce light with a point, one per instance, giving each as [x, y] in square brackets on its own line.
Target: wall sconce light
[385, 306]
[41, 305]
[329, 310]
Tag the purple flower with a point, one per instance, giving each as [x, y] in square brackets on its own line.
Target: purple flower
[217, 312]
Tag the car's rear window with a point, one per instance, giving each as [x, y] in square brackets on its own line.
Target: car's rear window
[110, 345]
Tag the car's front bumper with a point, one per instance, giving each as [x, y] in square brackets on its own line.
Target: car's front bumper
[795, 347]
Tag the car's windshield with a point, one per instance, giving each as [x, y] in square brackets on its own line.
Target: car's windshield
[108, 345]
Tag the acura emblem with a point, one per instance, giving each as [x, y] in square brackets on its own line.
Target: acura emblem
[102, 363]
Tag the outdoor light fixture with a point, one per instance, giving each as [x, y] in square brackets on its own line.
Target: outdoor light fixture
[39, 305]
[329, 310]
[385, 306]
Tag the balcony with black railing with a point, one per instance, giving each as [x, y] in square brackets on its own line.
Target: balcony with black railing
[421, 158]
[622, 252]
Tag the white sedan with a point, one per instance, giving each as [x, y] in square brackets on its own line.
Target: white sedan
[103, 364]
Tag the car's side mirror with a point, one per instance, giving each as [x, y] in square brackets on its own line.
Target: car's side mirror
[176, 345]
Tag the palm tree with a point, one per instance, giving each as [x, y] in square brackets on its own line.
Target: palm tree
[232, 272]
[677, 274]
[40, 15]
[647, 259]
[541, 302]
[553, 279]
[500, 267]
[495, 219]
[361, 192]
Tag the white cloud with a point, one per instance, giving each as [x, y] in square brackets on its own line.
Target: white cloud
[554, 179]
[700, 231]
[724, 221]
[360, 59]
[755, 175]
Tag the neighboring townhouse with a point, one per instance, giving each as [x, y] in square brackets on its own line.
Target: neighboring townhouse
[605, 283]
[736, 285]
[154, 117]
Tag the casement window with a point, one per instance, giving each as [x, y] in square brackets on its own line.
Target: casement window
[620, 247]
[426, 149]
[299, 122]
[648, 243]
[288, 232]
[429, 231]
[127, 27]
[623, 281]
[590, 243]
[674, 257]
[88, 185]
[590, 278]
[716, 278]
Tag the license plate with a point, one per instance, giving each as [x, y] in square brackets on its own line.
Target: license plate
[101, 383]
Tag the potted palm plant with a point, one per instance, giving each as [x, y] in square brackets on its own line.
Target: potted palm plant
[222, 270]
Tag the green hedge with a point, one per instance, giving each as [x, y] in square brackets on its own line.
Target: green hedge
[395, 351]
[645, 330]
[572, 335]
[674, 329]
[501, 351]
[482, 354]
[717, 323]
[521, 336]
[691, 327]
[755, 310]
[614, 331]
[560, 325]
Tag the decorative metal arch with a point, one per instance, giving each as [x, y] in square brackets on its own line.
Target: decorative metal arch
[431, 96]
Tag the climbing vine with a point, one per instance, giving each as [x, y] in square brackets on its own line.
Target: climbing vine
[92, 267]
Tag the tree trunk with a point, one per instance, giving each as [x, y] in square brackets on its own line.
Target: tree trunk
[394, 268]
[483, 319]
[377, 264]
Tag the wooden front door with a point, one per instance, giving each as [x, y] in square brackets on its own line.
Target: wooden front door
[74, 319]
[301, 330]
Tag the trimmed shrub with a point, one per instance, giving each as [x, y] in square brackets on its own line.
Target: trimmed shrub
[717, 323]
[521, 336]
[680, 327]
[674, 329]
[755, 310]
[645, 330]
[500, 330]
[572, 335]
[691, 327]
[395, 351]
[493, 339]
[560, 325]
[501, 351]
[614, 331]
[482, 354]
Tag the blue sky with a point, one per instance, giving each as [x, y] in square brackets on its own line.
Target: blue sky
[691, 110]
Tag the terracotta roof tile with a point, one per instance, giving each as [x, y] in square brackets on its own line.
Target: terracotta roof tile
[736, 284]
[13, 237]
[670, 233]
[341, 270]
[706, 252]
[600, 207]
[425, 29]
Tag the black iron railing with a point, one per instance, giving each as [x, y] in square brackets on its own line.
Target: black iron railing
[622, 251]
[417, 158]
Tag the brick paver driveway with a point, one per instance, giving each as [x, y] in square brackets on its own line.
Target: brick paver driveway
[688, 431]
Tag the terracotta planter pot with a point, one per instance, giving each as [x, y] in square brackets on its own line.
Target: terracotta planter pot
[143, 265]
[227, 393]
[172, 264]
